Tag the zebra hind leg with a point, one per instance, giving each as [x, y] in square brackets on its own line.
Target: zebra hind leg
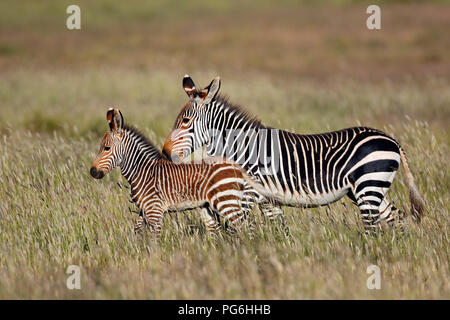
[209, 219]
[235, 220]
[153, 219]
[274, 213]
[370, 185]
[235, 217]
[377, 211]
[369, 205]
[391, 215]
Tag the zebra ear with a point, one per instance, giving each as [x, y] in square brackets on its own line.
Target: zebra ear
[115, 120]
[210, 91]
[189, 86]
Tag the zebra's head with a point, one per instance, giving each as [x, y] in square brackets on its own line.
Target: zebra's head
[191, 129]
[111, 146]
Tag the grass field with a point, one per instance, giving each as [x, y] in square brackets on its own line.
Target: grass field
[311, 69]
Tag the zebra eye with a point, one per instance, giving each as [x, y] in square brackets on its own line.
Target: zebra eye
[107, 148]
[186, 120]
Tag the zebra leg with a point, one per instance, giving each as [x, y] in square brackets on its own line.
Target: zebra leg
[209, 219]
[375, 214]
[247, 203]
[233, 214]
[370, 214]
[390, 214]
[140, 222]
[273, 213]
[153, 219]
[369, 190]
[268, 209]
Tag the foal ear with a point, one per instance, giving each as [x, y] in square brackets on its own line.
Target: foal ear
[210, 91]
[189, 86]
[115, 120]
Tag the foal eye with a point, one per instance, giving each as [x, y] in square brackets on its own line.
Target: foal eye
[107, 148]
[186, 120]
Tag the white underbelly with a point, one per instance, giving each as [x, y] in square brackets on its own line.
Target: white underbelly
[186, 205]
[303, 199]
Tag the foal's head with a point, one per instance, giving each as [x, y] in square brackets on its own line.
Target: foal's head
[111, 147]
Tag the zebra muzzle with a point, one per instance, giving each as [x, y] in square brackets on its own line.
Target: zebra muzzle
[97, 174]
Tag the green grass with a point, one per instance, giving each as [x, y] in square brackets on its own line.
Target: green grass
[97, 14]
[305, 66]
[53, 214]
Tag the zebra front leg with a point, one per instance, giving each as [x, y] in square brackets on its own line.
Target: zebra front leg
[153, 219]
[139, 223]
[208, 217]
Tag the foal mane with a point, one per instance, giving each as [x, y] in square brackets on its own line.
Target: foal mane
[143, 140]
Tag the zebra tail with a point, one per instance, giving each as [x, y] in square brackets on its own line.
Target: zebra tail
[417, 203]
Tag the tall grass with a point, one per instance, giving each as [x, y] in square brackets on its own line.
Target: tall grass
[53, 214]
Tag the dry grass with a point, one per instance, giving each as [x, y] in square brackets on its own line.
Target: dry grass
[285, 40]
[54, 214]
[56, 86]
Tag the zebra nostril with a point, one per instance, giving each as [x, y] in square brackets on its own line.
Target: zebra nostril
[97, 174]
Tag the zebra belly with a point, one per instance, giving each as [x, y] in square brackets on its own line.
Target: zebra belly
[310, 200]
[186, 205]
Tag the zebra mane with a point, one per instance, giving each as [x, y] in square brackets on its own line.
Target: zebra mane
[143, 140]
[239, 111]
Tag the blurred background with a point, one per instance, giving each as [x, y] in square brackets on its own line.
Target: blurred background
[133, 54]
[304, 66]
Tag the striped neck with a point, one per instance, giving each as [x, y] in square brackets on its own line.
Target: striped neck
[233, 116]
[228, 125]
[138, 151]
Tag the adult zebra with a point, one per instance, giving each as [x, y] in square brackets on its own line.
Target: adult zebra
[293, 169]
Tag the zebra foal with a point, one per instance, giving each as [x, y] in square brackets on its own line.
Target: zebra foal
[158, 185]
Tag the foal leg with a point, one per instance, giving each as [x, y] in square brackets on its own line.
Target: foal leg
[267, 208]
[232, 213]
[209, 219]
[139, 222]
[153, 218]
[273, 213]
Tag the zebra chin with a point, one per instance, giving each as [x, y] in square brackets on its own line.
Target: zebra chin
[97, 174]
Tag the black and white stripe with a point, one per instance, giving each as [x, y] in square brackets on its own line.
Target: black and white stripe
[158, 185]
[293, 169]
